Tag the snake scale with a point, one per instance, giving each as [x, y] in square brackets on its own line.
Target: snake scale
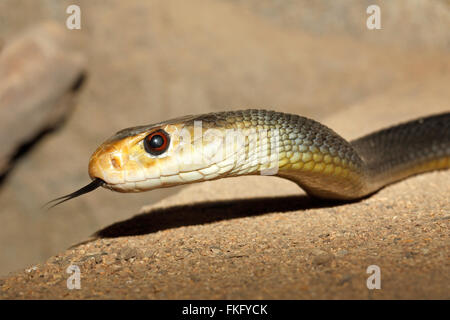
[252, 142]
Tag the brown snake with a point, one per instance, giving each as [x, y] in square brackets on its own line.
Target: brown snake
[251, 142]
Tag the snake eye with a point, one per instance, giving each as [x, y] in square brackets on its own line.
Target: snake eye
[156, 143]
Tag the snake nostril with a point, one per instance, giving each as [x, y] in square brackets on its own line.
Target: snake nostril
[118, 160]
[115, 162]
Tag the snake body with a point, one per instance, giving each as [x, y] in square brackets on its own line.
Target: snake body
[251, 142]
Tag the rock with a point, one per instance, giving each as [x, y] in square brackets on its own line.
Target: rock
[128, 253]
[322, 259]
[341, 253]
[317, 252]
[39, 75]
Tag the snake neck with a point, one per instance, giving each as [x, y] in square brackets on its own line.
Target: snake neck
[292, 147]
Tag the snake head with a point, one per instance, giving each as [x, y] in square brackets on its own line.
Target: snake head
[164, 155]
[134, 159]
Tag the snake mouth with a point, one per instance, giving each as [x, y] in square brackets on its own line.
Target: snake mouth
[97, 182]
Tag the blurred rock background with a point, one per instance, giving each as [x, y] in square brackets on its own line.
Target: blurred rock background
[152, 60]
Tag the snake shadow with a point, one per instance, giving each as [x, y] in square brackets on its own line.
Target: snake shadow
[208, 212]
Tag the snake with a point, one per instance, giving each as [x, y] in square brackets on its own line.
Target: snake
[218, 145]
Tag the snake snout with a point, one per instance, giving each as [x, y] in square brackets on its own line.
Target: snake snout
[107, 164]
